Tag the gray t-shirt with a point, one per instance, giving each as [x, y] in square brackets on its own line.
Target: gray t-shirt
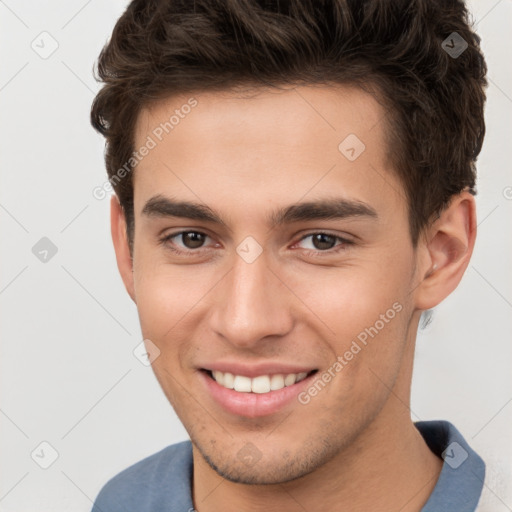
[162, 482]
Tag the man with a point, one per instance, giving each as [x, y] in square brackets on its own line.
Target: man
[294, 187]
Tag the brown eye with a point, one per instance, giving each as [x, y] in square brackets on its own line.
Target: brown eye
[185, 241]
[323, 241]
[192, 239]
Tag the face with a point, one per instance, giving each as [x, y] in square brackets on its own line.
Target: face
[272, 251]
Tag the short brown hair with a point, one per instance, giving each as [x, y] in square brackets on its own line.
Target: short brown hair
[435, 99]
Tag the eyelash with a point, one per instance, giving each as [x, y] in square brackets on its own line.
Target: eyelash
[342, 246]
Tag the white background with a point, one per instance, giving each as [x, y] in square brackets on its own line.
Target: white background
[68, 375]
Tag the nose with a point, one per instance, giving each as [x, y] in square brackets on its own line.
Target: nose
[251, 304]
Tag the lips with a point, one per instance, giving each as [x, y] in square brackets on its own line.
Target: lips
[255, 391]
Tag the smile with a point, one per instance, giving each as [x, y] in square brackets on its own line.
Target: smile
[262, 394]
[259, 384]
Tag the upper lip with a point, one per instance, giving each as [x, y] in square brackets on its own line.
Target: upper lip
[254, 370]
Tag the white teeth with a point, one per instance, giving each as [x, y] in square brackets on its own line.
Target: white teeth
[242, 384]
[261, 384]
[229, 380]
[218, 376]
[290, 379]
[276, 382]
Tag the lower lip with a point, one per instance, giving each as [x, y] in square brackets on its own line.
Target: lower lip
[253, 405]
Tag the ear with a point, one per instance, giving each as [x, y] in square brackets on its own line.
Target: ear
[445, 251]
[121, 245]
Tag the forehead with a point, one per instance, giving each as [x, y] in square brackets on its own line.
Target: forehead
[308, 115]
[267, 144]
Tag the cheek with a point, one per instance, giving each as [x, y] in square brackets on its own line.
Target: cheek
[162, 303]
[171, 303]
[155, 304]
[367, 356]
[166, 296]
[352, 300]
[363, 317]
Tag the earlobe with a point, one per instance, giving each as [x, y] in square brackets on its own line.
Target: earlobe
[449, 244]
[121, 245]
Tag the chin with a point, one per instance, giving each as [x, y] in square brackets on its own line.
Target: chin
[280, 469]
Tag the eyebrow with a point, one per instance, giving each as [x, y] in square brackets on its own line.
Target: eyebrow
[324, 209]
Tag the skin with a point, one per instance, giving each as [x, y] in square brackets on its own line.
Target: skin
[353, 446]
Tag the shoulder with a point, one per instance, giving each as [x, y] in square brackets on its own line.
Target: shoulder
[460, 483]
[162, 479]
